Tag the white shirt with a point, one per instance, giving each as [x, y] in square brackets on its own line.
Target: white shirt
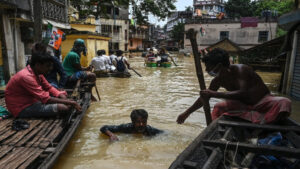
[99, 63]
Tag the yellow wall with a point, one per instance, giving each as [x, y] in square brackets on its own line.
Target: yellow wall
[84, 27]
[92, 42]
[135, 43]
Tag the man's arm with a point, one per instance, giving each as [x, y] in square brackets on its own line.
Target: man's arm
[214, 86]
[109, 130]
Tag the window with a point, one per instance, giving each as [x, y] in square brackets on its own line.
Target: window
[126, 34]
[131, 43]
[108, 10]
[186, 36]
[117, 11]
[106, 28]
[263, 36]
[224, 35]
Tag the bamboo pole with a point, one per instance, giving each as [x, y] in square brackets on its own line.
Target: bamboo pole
[192, 35]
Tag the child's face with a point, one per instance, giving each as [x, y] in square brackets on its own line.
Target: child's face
[140, 124]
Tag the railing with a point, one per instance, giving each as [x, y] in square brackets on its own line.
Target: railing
[55, 10]
[137, 36]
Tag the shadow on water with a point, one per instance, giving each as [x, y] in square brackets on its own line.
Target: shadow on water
[164, 93]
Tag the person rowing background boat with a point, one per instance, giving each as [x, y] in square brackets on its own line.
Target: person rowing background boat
[247, 96]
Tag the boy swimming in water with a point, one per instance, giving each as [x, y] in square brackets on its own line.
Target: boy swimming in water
[138, 125]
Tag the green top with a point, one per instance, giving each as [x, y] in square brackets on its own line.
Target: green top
[71, 59]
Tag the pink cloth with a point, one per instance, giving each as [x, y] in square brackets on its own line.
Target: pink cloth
[25, 88]
[265, 111]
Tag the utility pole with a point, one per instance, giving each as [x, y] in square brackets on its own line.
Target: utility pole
[38, 20]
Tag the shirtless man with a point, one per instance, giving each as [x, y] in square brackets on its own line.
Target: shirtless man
[247, 96]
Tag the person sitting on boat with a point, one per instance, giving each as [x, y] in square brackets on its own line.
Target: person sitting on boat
[73, 67]
[112, 57]
[57, 70]
[247, 97]
[121, 62]
[150, 57]
[28, 93]
[99, 62]
[164, 57]
[108, 61]
[138, 124]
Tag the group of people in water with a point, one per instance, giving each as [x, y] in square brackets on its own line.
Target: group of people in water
[35, 92]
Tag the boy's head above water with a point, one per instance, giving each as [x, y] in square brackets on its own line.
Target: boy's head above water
[139, 119]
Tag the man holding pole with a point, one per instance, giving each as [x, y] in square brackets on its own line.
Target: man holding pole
[247, 96]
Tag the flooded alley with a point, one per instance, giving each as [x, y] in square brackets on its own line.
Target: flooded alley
[164, 93]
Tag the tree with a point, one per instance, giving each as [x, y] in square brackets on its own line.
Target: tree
[139, 8]
[178, 33]
[239, 8]
[281, 7]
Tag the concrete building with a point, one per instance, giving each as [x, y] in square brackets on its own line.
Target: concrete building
[291, 80]
[139, 38]
[115, 23]
[211, 31]
[17, 30]
[208, 8]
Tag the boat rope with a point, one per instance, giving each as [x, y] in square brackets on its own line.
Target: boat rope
[236, 149]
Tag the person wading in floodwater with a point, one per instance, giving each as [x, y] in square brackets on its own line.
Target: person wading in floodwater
[138, 124]
[247, 96]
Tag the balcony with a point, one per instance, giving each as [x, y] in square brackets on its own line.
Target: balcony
[137, 36]
[55, 10]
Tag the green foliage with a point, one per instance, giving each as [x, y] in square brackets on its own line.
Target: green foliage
[178, 33]
[139, 8]
[281, 7]
[243, 8]
[280, 32]
[239, 8]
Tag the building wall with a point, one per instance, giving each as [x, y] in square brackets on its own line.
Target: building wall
[117, 37]
[92, 42]
[84, 27]
[135, 43]
[243, 37]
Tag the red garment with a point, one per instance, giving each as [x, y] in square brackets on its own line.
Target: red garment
[25, 88]
[265, 111]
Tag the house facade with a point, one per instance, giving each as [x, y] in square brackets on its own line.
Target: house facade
[211, 31]
[17, 30]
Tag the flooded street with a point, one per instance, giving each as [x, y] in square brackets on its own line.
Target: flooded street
[164, 93]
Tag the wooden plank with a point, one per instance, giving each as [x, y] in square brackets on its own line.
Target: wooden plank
[197, 142]
[4, 150]
[33, 133]
[258, 126]
[20, 134]
[52, 135]
[4, 123]
[49, 161]
[261, 149]
[31, 159]
[21, 158]
[293, 138]
[214, 159]
[37, 142]
[11, 156]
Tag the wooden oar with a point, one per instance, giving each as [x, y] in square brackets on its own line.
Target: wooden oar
[136, 72]
[173, 61]
[192, 35]
[96, 87]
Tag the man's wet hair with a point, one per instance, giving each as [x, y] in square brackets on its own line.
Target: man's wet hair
[217, 56]
[103, 52]
[39, 54]
[119, 52]
[111, 52]
[138, 113]
[99, 52]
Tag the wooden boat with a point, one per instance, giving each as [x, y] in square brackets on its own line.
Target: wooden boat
[113, 74]
[40, 145]
[225, 144]
[154, 64]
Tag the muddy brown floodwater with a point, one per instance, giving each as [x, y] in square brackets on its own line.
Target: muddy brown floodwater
[164, 93]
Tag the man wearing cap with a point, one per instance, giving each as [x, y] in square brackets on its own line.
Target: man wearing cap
[72, 65]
